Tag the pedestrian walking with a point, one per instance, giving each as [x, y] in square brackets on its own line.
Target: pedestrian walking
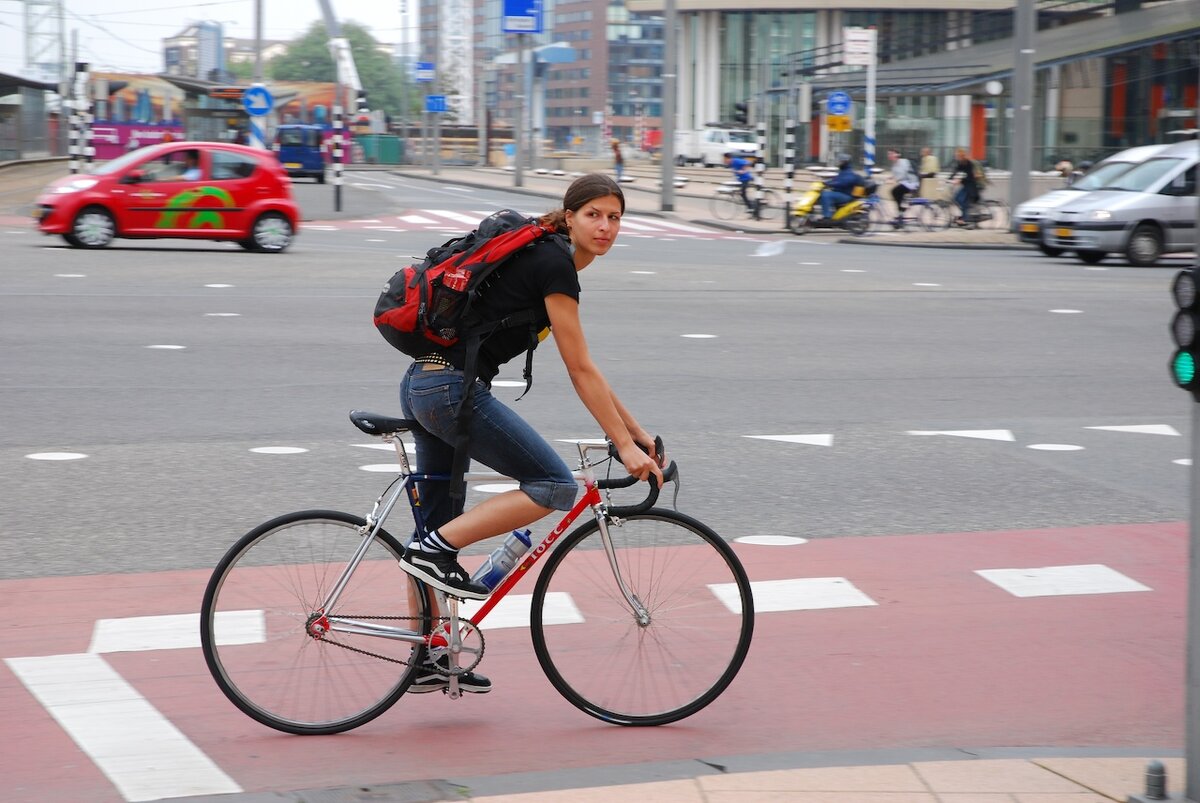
[618, 160]
[928, 170]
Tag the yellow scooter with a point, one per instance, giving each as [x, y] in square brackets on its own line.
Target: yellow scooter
[854, 217]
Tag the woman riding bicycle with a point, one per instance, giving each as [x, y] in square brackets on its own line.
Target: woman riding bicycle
[968, 191]
[542, 278]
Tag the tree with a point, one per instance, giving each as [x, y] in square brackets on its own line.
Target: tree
[308, 59]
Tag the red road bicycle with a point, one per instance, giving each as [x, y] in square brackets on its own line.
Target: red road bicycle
[640, 616]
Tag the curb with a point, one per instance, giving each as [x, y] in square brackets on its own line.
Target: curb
[961, 244]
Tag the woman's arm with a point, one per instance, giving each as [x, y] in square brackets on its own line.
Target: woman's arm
[594, 391]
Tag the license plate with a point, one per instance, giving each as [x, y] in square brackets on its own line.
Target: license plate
[1063, 232]
[292, 164]
[1029, 228]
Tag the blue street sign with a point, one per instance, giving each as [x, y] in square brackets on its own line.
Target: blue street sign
[435, 103]
[425, 72]
[838, 103]
[257, 100]
[522, 16]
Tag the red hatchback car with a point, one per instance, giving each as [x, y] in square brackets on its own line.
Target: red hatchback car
[194, 190]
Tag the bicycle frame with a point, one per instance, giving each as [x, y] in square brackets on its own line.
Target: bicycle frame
[451, 635]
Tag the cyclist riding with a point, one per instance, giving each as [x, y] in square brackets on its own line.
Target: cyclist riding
[542, 278]
[744, 174]
[969, 191]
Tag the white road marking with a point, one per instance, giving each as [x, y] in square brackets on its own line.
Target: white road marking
[141, 752]
[699, 337]
[385, 447]
[178, 631]
[384, 468]
[985, 434]
[218, 285]
[416, 219]
[1092, 578]
[56, 456]
[1068, 311]
[1143, 429]
[1055, 447]
[514, 610]
[278, 450]
[222, 315]
[1183, 461]
[166, 346]
[771, 540]
[459, 217]
[70, 275]
[804, 594]
[811, 440]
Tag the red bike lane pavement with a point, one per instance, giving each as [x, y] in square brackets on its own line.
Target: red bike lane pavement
[935, 655]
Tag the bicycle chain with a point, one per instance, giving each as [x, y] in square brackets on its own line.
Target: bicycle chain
[360, 651]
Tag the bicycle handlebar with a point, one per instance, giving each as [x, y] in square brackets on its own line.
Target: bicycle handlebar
[670, 473]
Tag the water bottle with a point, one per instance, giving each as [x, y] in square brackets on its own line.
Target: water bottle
[500, 562]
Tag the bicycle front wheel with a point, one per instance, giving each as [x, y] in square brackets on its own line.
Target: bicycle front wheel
[660, 667]
[287, 663]
[996, 218]
[725, 205]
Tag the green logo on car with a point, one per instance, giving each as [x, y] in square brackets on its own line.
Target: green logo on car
[184, 203]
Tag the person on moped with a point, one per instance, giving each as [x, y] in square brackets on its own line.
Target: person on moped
[838, 190]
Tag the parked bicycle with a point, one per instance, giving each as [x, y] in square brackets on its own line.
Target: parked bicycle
[727, 202]
[308, 624]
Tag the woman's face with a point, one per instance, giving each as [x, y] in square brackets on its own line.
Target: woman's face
[594, 226]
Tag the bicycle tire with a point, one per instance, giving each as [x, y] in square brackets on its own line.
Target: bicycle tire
[725, 205]
[997, 218]
[619, 671]
[772, 206]
[253, 624]
[877, 219]
[933, 217]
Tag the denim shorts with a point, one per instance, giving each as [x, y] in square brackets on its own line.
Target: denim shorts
[499, 438]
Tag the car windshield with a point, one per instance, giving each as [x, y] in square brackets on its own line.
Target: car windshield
[1100, 175]
[1140, 178]
[119, 164]
[302, 137]
[741, 136]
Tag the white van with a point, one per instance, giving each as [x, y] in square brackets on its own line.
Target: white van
[1029, 215]
[1143, 213]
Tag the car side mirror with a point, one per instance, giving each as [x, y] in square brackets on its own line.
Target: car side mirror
[133, 177]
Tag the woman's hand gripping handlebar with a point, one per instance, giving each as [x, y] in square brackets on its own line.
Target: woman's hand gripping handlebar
[670, 473]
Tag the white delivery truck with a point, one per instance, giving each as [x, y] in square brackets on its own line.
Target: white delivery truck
[708, 146]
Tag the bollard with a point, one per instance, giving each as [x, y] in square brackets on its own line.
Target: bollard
[1156, 781]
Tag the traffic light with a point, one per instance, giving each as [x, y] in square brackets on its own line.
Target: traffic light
[1185, 330]
[741, 113]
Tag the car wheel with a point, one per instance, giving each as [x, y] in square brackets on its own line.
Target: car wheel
[248, 244]
[1145, 246]
[271, 233]
[1091, 257]
[93, 227]
[1050, 250]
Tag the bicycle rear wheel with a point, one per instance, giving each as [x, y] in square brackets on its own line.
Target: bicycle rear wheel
[617, 669]
[726, 205]
[771, 207]
[258, 636]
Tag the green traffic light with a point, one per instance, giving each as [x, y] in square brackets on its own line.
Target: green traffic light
[1183, 367]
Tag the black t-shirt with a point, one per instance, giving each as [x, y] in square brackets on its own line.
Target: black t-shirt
[522, 283]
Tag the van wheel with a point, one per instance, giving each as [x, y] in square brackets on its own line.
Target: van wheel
[679, 160]
[1050, 250]
[1145, 246]
[93, 227]
[1091, 257]
[320, 178]
[271, 233]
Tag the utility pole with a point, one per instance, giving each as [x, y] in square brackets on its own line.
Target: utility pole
[1022, 86]
[666, 150]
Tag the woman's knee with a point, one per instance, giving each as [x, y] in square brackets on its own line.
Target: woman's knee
[553, 493]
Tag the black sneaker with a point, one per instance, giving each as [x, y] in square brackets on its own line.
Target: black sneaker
[433, 677]
[441, 570]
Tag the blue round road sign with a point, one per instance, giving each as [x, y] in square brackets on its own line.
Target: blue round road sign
[257, 101]
[838, 103]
